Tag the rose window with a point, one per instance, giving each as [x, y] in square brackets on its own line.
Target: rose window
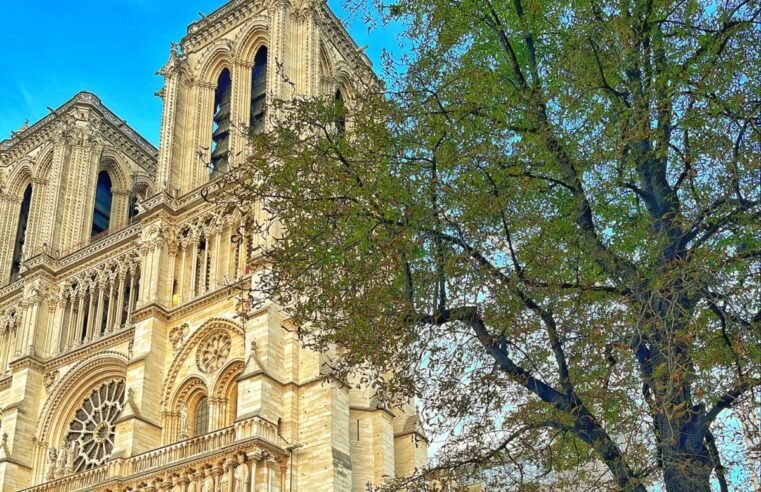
[91, 433]
[213, 352]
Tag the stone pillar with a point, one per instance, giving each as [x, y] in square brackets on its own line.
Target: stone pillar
[170, 94]
[5, 335]
[99, 311]
[138, 429]
[132, 286]
[193, 266]
[240, 109]
[122, 279]
[80, 315]
[72, 321]
[90, 314]
[170, 279]
[110, 312]
[215, 264]
[183, 270]
[204, 270]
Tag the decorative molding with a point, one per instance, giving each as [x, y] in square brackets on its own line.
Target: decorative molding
[92, 348]
[115, 129]
[200, 335]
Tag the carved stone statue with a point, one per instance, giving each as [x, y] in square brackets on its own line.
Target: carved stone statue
[208, 482]
[224, 482]
[60, 469]
[71, 455]
[241, 475]
[184, 421]
[52, 461]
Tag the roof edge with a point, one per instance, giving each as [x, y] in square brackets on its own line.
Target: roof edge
[82, 98]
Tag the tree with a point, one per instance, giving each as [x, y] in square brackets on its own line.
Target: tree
[545, 227]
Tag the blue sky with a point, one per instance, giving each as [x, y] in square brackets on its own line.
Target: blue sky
[110, 47]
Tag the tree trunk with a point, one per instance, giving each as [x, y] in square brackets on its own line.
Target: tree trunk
[687, 473]
[687, 464]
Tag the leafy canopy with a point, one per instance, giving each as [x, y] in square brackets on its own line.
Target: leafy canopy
[545, 227]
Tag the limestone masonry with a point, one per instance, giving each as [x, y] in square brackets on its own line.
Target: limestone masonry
[124, 362]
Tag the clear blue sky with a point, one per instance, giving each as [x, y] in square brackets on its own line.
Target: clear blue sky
[54, 48]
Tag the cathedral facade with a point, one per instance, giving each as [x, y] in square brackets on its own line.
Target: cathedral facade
[127, 360]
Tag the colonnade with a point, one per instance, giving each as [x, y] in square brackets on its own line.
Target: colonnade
[208, 256]
[98, 306]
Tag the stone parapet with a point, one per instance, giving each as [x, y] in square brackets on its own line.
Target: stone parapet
[243, 444]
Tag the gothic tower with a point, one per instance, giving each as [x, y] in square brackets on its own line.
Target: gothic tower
[127, 361]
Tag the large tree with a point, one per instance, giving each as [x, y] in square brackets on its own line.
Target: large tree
[545, 226]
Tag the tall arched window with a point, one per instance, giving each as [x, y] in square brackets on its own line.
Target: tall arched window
[101, 217]
[201, 417]
[258, 91]
[340, 109]
[23, 220]
[220, 139]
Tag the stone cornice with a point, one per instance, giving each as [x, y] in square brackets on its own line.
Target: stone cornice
[372, 410]
[140, 418]
[152, 310]
[28, 362]
[217, 23]
[412, 433]
[346, 45]
[21, 143]
[81, 353]
[9, 459]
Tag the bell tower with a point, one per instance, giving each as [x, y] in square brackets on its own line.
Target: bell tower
[222, 77]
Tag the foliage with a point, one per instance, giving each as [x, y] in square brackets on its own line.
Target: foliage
[546, 228]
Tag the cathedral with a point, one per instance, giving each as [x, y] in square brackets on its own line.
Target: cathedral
[128, 361]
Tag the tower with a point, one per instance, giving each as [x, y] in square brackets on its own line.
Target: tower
[125, 361]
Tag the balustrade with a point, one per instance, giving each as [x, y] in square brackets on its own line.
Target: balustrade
[216, 456]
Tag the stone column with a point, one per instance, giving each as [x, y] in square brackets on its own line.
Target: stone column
[99, 311]
[183, 268]
[240, 108]
[122, 279]
[217, 257]
[242, 253]
[110, 312]
[90, 314]
[193, 266]
[72, 321]
[172, 250]
[132, 287]
[80, 315]
[4, 337]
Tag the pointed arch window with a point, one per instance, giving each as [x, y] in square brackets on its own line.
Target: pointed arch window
[220, 139]
[340, 109]
[23, 221]
[101, 217]
[258, 92]
[201, 417]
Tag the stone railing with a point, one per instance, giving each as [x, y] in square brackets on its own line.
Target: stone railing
[173, 453]
[79, 481]
[131, 469]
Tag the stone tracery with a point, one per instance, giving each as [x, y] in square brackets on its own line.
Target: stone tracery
[213, 353]
[91, 433]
